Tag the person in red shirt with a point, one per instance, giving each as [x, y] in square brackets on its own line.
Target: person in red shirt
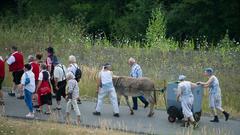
[36, 70]
[44, 89]
[35, 67]
[2, 75]
[16, 65]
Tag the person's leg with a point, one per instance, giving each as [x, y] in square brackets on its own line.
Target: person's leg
[28, 100]
[212, 107]
[68, 109]
[218, 104]
[1, 93]
[143, 99]
[101, 96]
[76, 109]
[135, 104]
[14, 87]
[58, 96]
[184, 111]
[18, 82]
[113, 98]
[49, 104]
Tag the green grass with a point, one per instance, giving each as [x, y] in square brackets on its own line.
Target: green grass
[34, 36]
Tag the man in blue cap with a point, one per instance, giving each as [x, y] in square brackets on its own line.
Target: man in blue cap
[215, 100]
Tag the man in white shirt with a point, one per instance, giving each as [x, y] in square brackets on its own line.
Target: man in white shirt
[105, 87]
[28, 84]
[59, 74]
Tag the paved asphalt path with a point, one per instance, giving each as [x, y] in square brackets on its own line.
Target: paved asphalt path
[138, 123]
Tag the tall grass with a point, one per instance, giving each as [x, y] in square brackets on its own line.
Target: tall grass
[33, 36]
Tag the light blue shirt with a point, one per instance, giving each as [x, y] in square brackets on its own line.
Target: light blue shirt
[214, 87]
[136, 71]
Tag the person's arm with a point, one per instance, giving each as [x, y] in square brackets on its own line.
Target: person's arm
[40, 77]
[70, 86]
[49, 65]
[98, 82]
[22, 82]
[56, 76]
[11, 60]
[139, 72]
[206, 84]
[193, 85]
[178, 92]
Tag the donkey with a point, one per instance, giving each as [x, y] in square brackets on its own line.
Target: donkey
[129, 86]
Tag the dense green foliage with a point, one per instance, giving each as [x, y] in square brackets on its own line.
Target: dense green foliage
[118, 20]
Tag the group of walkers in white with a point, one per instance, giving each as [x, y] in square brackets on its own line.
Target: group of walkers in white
[39, 80]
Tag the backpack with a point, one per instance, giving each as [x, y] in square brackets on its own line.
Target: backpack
[78, 73]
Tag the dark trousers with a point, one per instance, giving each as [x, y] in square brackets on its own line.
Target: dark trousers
[61, 90]
[135, 103]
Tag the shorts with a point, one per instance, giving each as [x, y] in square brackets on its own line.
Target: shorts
[1, 81]
[215, 101]
[61, 90]
[46, 99]
[17, 75]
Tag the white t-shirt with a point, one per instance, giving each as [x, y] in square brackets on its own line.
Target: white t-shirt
[60, 72]
[40, 77]
[31, 86]
[73, 68]
[106, 76]
[11, 59]
[73, 88]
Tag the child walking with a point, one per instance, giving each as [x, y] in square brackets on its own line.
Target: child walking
[28, 85]
[72, 96]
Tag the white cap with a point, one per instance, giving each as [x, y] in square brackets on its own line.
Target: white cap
[181, 77]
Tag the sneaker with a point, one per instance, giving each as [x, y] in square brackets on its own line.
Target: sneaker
[226, 115]
[215, 119]
[79, 101]
[96, 113]
[30, 115]
[11, 94]
[116, 115]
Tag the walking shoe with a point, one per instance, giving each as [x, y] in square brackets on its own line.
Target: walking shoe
[116, 115]
[11, 94]
[96, 113]
[146, 105]
[226, 115]
[20, 97]
[30, 115]
[79, 101]
[215, 119]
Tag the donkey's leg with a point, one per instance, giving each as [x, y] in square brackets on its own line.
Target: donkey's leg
[118, 98]
[152, 102]
[130, 108]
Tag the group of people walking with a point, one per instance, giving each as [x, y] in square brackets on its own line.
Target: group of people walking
[50, 77]
[42, 79]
